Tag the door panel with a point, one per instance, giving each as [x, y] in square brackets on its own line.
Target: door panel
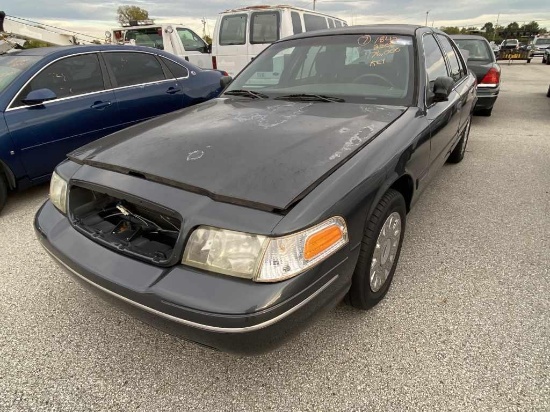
[143, 89]
[444, 118]
[83, 111]
[44, 134]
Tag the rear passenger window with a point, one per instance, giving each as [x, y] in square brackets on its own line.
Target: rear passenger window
[233, 30]
[68, 77]
[134, 68]
[435, 63]
[313, 22]
[456, 68]
[264, 27]
[296, 22]
[330, 23]
[176, 69]
[338, 23]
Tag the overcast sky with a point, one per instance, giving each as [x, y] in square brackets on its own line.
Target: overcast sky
[95, 16]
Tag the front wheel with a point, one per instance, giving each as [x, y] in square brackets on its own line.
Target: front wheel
[380, 249]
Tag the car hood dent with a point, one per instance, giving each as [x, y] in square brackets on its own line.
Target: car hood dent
[259, 153]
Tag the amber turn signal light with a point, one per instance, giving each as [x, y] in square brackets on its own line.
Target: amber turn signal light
[322, 240]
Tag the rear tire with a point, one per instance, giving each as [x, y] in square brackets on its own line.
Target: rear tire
[547, 61]
[457, 154]
[3, 191]
[548, 92]
[484, 112]
[382, 240]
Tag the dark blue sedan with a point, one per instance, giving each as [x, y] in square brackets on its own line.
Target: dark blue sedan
[56, 99]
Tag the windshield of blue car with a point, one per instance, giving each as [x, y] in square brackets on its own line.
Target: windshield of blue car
[12, 65]
[477, 49]
[374, 68]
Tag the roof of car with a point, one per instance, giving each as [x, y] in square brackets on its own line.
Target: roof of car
[62, 50]
[398, 29]
[467, 36]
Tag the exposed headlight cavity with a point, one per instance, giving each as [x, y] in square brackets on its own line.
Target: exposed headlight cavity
[261, 258]
[58, 192]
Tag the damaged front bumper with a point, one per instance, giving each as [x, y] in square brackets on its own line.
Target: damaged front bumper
[217, 311]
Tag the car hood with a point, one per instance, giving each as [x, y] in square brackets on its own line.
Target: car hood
[265, 154]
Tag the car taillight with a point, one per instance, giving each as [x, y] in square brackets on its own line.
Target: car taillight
[214, 63]
[492, 77]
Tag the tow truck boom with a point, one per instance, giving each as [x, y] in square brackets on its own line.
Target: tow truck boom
[27, 29]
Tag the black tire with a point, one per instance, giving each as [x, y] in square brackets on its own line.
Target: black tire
[3, 191]
[543, 60]
[361, 295]
[484, 112]
[457, 154]
[529, 61]
[548, 92]
[547, 61]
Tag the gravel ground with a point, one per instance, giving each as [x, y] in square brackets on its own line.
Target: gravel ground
[464, 327]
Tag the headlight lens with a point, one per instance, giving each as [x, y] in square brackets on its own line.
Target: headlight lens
[261, 258]
[58, 192]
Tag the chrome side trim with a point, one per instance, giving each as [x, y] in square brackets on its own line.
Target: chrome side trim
[195, 324]
[486, 85]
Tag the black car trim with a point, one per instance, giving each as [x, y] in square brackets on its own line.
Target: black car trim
[188, 322]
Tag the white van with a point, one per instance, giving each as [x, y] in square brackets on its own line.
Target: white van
[241, 34]
[172, 38]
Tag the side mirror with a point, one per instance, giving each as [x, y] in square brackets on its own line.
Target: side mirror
[208, 48]
[442, 89]
[39, 96]
[225, 81]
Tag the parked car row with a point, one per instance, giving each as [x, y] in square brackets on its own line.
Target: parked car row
[234, 222]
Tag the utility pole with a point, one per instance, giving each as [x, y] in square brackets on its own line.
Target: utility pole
[314, 1]
[495, 30]
[428, 12]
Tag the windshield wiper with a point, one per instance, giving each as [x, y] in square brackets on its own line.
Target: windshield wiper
[304, 97]
[247, 93]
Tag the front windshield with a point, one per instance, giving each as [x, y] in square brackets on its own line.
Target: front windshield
[540, 42]
[12, 65]
[356, 68]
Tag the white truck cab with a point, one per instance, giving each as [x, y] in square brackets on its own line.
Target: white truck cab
[173, 38]
[241, 34]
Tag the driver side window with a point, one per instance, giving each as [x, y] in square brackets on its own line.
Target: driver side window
[67, 77]
[435, 62]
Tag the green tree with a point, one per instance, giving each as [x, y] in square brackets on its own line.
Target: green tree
[33, 44]
[532, 27]
[450, 30]
[207, 39]
[127, 13]
[514, 26]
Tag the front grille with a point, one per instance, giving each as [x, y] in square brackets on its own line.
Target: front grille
[128, 225]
